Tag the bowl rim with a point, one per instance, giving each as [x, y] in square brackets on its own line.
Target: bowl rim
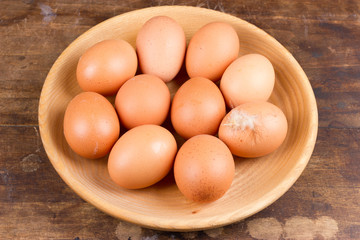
[158, 223]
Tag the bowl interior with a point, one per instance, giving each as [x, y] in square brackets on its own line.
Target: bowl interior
[258, 182]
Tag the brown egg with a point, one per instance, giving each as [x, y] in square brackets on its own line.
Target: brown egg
[144, 99]
[249, 78]
[197, 108]
[204, 168]
[253, 129]
[142, 156]
[91, 125]
[105, 66]
[161, 46]
[211, 50]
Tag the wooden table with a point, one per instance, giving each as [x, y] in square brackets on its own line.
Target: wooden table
[324, 36]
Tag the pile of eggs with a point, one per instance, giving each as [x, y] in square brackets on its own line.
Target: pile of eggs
[221, 111]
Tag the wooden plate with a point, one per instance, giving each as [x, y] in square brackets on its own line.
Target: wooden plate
[258, 182]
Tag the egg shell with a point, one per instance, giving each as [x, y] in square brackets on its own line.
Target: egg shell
[144, 99]
[197, 108]
[211, 50]
[91, 125]
[161, 46]
[253, 129]
[142, 156]
[204, 168]
[105, 66]
[249, 78]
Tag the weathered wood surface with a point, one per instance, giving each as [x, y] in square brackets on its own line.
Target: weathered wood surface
[324, 36]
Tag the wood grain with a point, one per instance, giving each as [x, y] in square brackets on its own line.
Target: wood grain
[322, 35]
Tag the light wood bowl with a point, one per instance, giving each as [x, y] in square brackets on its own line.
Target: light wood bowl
[258, 182]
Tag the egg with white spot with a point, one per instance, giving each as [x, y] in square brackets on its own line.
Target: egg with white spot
[253, 129]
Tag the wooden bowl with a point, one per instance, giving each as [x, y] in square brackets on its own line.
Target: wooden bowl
[258, 182]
